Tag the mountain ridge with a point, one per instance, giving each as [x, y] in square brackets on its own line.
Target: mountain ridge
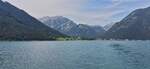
[68, 27]
[135, 26]
[16, 24]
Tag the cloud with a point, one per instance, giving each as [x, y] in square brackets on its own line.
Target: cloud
[48, 7]
[95, 12]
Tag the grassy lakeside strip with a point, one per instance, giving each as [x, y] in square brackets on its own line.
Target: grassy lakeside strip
[70, 38]
[67, 38]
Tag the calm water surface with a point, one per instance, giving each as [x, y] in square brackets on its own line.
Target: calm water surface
[75, 55]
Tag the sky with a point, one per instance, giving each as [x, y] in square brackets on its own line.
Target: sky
[92, 12]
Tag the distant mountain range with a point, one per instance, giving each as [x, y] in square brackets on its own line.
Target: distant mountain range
[68, 27]
[136, 26]
[16, 24]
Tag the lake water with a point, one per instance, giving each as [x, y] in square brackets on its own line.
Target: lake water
[75, 55]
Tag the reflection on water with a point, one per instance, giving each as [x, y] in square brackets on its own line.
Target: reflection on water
[131, 56]
[75, 55]
[5, 59]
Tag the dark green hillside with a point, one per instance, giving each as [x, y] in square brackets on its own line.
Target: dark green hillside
[136, 26]
[15, 24]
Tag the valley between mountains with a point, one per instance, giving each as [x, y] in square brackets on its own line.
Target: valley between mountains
[16, 24]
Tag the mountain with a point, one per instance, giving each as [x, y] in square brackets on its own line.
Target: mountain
[136, 26]
[16, 24]
[68, 27]
[108, 26]
[61, 24]
[88, 31]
